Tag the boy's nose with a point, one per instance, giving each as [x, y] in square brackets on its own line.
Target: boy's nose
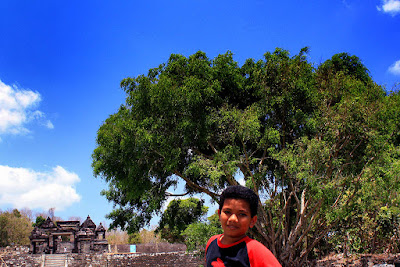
[233, 217]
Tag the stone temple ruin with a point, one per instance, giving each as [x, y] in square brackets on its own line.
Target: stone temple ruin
[68, 237]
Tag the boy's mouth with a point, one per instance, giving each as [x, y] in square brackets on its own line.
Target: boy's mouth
[232, 227]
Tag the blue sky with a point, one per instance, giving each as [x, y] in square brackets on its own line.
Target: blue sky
[61, 63]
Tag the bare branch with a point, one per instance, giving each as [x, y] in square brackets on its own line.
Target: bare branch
[196, 187]
[212, 147]
[248, 167]
[168, 194]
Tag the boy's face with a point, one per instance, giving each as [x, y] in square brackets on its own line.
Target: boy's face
[235, 218]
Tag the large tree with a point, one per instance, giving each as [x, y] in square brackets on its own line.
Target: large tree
[312, 142]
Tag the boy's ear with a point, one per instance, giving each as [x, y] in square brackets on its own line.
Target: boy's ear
[253, 221]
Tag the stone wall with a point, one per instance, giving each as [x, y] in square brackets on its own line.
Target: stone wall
[179, 259]
[149, 248]
[17, 257]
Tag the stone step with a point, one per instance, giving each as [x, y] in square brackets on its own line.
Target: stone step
[55, 260]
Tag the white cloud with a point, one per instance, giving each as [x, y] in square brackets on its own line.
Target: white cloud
[25, 188]
[390, 6]
[395, 68]
[18, 108]
[49, 124]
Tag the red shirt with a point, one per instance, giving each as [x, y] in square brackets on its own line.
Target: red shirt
[245, 252]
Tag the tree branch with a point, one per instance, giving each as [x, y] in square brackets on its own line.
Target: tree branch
[196, 187]
[168, 194]
[248, 167]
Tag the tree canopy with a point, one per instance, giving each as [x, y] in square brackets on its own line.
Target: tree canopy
[15, 228]
[197, 234]
[319, 145]
[39, 221]
[179, 214]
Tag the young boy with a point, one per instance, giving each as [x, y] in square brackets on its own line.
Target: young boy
[237, 213]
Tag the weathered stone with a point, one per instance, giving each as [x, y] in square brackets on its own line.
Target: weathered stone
[135, 259]
[68, 237]
[106, 259]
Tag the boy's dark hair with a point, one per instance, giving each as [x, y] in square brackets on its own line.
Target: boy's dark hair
[240, 192]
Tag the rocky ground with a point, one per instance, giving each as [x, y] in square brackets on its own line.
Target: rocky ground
[362, 260]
